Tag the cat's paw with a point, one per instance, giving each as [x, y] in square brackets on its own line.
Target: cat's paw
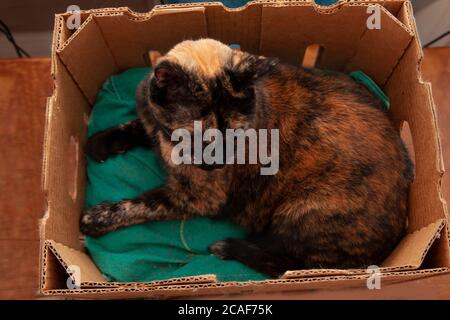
[221, 249]
[97, 220]
[106, 143]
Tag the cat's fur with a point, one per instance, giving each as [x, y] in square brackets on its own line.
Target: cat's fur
[339, 199]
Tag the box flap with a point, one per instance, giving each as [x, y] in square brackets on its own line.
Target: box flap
[411, 99]
[339, 34]
[284, 285]
[99, 49]
[91, 277]
[411, 251]
[63, 159]
[87, 57]
[71, 257]
[130, 44]
[408, 255]
[206, 278]
[243, 25]
[346, 41]
[383, 52]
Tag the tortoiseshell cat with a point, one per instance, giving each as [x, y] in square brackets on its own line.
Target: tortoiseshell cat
[339, 199]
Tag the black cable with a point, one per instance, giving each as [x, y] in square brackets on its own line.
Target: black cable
[437, 39]
[7, 33]
[5, 30]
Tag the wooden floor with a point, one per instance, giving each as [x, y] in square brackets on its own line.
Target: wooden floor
[24, 86]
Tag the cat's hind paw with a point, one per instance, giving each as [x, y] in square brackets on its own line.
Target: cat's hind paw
[221, 249]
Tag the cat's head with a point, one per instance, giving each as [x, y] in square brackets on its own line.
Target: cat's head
[205, 80]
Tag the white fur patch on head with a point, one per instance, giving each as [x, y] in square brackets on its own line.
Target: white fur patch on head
[205, 56]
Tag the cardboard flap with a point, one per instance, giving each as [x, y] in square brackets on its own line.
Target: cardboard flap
[248, 287]
[96, 50]
[412, 101]
[383, 52]
[64, 160]
[88, 58]
[243, 25]
[411, 251]
[158, 30]
[201, 279]
[170, 10]
[339, 34]
[49, 110]
[69, 257]
[310, 273]
[91, 277]
[408, 255]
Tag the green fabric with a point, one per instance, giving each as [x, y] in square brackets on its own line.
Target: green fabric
[362, 78]
[153, 250]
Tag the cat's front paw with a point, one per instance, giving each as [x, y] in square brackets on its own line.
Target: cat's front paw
[106, 143]
[97, 220]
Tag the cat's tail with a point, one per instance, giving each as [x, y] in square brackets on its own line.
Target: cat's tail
[255, 254]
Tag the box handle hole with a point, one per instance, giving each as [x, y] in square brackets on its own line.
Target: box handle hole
[312, 56]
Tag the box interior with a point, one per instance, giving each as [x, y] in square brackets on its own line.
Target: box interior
[112, 40]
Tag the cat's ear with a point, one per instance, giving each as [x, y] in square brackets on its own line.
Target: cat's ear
[247, 68]
[167, 75]
[154, 57]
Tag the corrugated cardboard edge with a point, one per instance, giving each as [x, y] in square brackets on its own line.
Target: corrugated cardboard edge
[41, 223]
[91, 277]
[56, 38]
[122, 11]
[88, 18]
[60, 44]
[206, 278]
[221, 288]
[51, 109]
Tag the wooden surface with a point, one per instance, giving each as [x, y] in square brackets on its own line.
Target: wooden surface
[24, 86]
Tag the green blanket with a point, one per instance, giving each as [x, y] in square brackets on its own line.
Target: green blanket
[153, 250]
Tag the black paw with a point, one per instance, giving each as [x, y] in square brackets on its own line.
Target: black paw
[221, 249]
[97, 220]
[106, 143]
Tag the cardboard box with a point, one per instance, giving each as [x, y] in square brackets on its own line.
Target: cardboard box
[112, 40]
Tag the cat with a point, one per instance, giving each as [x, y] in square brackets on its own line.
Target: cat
[339, 199]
